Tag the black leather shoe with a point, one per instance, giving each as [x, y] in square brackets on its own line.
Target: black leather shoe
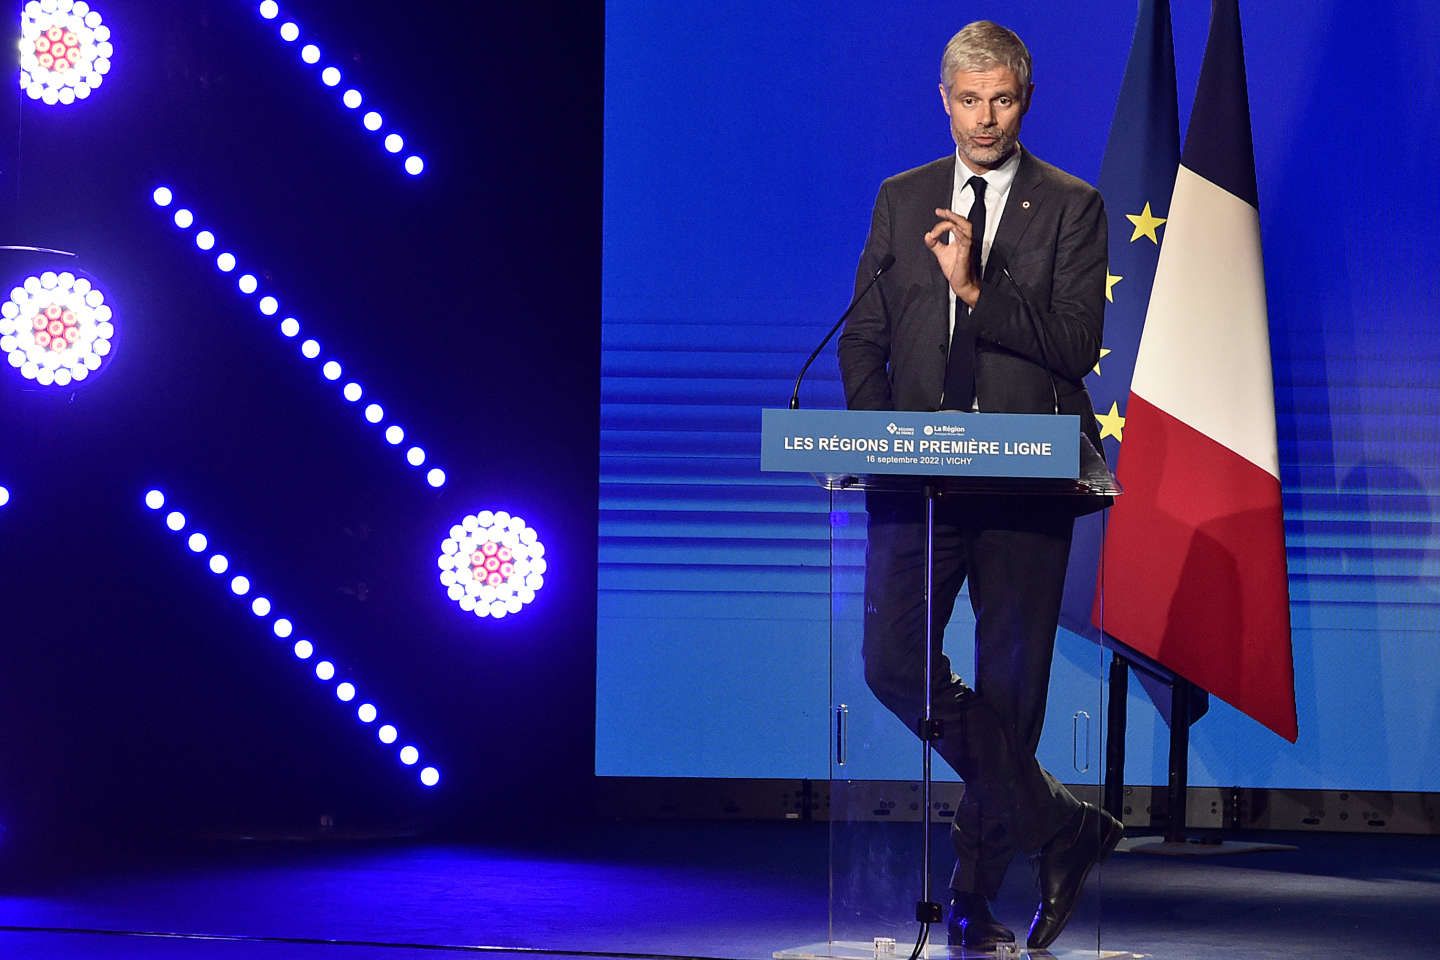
[1065, 862]
[971, 924]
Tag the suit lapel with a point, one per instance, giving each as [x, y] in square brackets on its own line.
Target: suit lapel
[1026, 195]
[942, 192]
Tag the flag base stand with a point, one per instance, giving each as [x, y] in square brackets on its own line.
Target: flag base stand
[1173, 842]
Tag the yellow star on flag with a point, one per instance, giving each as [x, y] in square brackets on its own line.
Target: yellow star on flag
[1110, 281]
[1145, 224]
[1112, 424]
[1104, 352]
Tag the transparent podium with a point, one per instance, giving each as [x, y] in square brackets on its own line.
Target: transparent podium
[892, 799]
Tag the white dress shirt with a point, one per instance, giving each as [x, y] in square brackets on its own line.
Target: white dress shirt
[962, 198]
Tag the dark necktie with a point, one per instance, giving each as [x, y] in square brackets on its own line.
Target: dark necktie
[960, 364]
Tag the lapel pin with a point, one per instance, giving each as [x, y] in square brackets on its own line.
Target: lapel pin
[1025, 205]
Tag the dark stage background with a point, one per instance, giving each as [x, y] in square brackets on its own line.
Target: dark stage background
[137, 697]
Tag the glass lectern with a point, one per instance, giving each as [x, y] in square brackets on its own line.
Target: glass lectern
[892, 798]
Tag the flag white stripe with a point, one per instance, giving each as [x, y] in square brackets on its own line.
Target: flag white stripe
[1204, 355]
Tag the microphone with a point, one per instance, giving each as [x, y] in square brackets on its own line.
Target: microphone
[886, 262]
[1039, 334]
[1094, 472]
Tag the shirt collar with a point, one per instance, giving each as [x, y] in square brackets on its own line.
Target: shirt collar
[997, 181]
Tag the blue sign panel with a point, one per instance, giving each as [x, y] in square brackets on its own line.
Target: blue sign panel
[946, 443]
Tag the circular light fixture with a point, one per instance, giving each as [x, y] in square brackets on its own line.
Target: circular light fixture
[56, 329]
[492, 564]
[65, 50]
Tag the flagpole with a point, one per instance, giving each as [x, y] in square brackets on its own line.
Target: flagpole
[1178, 788]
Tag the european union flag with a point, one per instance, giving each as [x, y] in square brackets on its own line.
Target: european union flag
[1136, 180]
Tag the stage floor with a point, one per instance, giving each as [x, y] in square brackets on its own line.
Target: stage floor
[714, 890]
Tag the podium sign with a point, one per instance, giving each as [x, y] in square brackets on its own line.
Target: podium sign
[949, 443]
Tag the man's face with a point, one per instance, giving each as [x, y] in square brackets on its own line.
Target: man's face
[985, 109]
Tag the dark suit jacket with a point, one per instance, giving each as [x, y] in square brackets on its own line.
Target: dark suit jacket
[1052, 236]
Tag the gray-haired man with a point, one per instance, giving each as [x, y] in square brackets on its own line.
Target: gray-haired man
[949, 332]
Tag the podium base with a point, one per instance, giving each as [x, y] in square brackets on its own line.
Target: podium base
[860, 950]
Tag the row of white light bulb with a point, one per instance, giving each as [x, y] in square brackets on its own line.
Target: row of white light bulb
[330, 369]
[351, 98]
[283, 629]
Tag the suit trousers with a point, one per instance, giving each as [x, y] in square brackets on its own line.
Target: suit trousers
[1013, 551]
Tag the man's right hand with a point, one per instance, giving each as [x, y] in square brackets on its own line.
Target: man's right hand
[954, 257]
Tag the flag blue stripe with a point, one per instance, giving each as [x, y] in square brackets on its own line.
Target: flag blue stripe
[1218, 145]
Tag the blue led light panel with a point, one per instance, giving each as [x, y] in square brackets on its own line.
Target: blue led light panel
[284, 630]
[266, 304]
[350, 97]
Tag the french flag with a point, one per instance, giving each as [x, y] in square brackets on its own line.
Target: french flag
[1194, 559]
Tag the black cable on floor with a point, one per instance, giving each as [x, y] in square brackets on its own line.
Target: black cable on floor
[921, 940]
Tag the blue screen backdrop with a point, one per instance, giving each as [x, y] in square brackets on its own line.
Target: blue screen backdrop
[744, 143]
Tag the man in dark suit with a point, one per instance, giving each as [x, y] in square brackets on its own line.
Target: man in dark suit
[947, 329]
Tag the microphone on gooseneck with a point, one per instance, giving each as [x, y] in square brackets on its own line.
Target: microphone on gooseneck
[1039, 334]
[1093, 469]
[886, 262]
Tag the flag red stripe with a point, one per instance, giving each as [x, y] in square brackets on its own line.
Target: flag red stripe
[1194, 566]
